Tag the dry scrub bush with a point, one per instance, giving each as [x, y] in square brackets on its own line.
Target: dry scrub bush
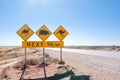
[55, 60]
[2, 54]
[32, 60]
[36, 60]
[4, 74]
[19, 65]
[50, 60]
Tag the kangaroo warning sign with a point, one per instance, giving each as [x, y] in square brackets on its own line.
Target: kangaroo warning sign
[43, 33]
[25, 32]
[60, 33]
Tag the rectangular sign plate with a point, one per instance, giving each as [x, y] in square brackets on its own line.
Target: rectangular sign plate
[39, 44]
[32, 44]
[53, 44]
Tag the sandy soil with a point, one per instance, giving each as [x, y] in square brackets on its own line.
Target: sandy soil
[54, 70]
[97, 67]
[77, 67]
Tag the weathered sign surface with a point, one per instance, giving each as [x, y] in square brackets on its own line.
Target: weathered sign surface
[60, 33]
[43, 33]
[25, 32]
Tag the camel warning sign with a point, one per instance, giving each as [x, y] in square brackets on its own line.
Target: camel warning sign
[60, 33]
[25, 32]
[43, 33]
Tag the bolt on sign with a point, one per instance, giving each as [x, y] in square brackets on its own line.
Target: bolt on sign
[43, 33]
[60, 33]
[25, 32]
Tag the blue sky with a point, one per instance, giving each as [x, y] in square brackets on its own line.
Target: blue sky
[89, 22]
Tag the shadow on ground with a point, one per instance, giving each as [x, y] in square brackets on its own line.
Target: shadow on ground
[68, 73]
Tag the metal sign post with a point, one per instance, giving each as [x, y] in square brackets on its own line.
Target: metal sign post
[60, 55]
[44, 63]
[24, 68]
[25, 56]
[43, 33]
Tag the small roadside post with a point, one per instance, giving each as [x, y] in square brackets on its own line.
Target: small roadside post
[60, 33]
[25, 33]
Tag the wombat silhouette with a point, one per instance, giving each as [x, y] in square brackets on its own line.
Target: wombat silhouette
[43, 32]
[61, 32]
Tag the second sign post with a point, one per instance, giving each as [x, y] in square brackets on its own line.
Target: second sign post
[43, 33]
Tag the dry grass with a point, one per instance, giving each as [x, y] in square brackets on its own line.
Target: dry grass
[19, 65]
[13, 52]
[36, 60]
[2, 54]
[4, 74]
[55, 60]
[32, 60]
[8, 52]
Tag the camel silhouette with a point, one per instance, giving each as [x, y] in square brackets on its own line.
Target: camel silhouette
[25, 31]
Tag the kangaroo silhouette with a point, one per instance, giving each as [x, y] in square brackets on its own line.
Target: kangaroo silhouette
[61, 32]
[43, 32]
[25, 31]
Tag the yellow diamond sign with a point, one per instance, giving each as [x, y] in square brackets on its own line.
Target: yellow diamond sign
[60, 33]
[25, 32]
[43, 33]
